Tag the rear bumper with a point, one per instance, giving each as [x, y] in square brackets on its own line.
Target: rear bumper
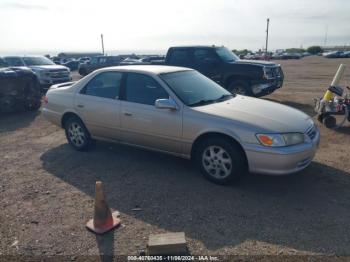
[51, 116]
[280, 161]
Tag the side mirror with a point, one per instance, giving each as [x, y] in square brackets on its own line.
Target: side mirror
[165, 104]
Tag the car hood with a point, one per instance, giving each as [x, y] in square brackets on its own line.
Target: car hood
[255, 62]
[49, 67]
[263, 115]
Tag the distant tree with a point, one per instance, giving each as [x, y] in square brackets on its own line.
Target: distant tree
[241, 52]
[295, 50]
[314, 50]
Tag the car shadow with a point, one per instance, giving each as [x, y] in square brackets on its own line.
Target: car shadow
[307, 211]
[13, 121]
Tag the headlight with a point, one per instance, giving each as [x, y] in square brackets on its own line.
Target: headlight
[279, 140]
[268, 73]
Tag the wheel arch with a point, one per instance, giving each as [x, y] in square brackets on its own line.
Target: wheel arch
[232, 78]
[208, 135]
[68, 115]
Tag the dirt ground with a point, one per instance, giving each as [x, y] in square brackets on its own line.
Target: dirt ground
[47, 191]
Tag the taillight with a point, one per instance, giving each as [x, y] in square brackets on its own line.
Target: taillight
[46, 100]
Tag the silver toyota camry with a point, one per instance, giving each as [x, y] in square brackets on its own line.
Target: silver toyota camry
[179, 111]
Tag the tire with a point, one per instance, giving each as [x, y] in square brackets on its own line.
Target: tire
[329, 121]
[77, 134]
[220, 161]
[82, 72]
[240, 87]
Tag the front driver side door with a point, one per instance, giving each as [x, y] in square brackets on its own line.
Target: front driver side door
[142, 123]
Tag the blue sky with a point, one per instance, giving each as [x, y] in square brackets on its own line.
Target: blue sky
[29, 26]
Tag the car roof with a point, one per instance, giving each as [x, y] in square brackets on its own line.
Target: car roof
[155, 69]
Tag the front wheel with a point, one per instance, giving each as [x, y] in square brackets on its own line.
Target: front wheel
[77, 134]
[220, 160]
[240, 87]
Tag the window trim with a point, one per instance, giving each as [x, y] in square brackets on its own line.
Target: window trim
[122, 96]
[82, 91]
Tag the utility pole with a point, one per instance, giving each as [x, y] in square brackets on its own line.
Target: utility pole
[267, 36]
[326, 37]
[103, 46]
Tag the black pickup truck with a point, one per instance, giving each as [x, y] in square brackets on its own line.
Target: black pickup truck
[247, 77]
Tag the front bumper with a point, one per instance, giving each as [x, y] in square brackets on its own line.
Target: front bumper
[266, 87]
[280, 161]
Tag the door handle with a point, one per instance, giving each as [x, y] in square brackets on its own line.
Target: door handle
[81, 106]
[127, 114]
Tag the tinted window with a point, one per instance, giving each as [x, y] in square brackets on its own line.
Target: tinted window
[143, 89]
[14, 61]
[200, 55]
[105, 85]
[226, 55]
[180, 57]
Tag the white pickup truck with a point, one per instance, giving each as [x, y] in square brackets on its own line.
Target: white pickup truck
[47, 71]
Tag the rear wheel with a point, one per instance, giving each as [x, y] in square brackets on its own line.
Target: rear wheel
[240, 87]
[220, 160]
[77, 134]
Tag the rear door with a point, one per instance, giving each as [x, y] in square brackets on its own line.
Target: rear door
[98, 104]
[142, 123]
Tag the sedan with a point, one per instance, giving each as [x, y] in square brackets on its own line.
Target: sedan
[179, 111]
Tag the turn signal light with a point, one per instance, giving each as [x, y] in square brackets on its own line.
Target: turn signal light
[266, 140]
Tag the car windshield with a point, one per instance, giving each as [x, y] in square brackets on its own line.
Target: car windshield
[37, 61]
[226, 55]
[194, 89]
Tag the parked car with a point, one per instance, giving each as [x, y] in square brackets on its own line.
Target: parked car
[334, 54]
[179, 111]
[98, 62]
[247, 77]
[150, 59]
[72, 65]
[346, 54]
[19, 89]
[47, 72]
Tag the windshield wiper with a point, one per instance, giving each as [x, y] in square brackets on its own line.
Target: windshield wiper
[224, 97]
[203, 102]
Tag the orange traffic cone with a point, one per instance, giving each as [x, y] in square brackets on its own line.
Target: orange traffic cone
[103, 220]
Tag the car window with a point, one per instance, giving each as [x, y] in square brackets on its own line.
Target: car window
[143, 89]
[180, 58]
[14, 61]
[102, 60]
[106, 85]
[201, 55]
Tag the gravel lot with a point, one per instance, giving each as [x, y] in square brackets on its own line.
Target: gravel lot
[47, 191]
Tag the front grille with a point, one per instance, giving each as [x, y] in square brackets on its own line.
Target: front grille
[60, 73]
[311, 132]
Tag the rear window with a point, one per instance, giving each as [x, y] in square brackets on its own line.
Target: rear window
[180, 58]
[14, 61]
